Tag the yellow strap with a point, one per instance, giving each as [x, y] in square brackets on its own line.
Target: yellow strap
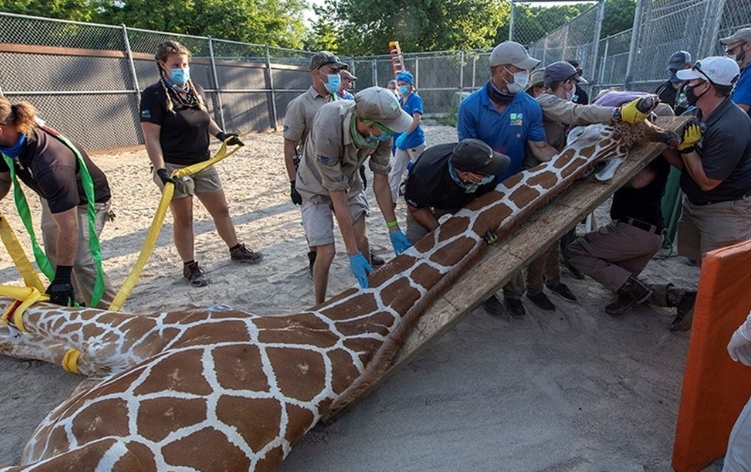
[29, 295]
[70, 361]
[29, 275]
[156, 225]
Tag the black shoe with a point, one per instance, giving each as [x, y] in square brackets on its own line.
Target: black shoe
[376, 261]
[575, 273]
[630, 294]
[562, 290]
[515, 308]
[194, 275]
[685, 316]
[311, 261]
[493, 306]
[240, 253]
[541, 300]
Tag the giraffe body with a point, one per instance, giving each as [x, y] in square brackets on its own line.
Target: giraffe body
[223, 389]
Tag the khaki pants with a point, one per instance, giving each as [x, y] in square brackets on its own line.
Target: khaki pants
[545, 266]
[703, 228]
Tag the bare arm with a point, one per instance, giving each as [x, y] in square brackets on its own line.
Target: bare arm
[643, 178]
[382, 192]
[673, 158]
[543, 151]
[424, 217]
[67, 236]
[214, 128]
[692, 161]
[153, 146]
[4, 184]
[290, 149]
[416, 117]
[343, 218]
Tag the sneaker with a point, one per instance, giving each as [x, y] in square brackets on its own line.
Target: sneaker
[311, 262]
[632, 293]
[376, 261]
[685, 316]
[562, 291]
[240, 253]
[515, 308]
[541, 300]
[194, 275]
[493, 306]
[575, 273]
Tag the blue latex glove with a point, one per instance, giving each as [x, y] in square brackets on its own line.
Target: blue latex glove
[360, 268]
[399, 241]
[400, 141]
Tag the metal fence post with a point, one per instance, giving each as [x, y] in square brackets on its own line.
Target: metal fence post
[131, 64]
[596, 39]
[461, 71]
[635, 34]
[270, 77]
[511, 23]
[417, 71]
[474, 71]
[710, 28]
[216, 84]
[604, 61]
[374, 70]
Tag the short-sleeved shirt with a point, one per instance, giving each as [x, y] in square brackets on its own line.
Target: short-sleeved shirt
[413, 105]
[430, 185]
[725, 150]
[742, 91]
[184, 135]
[506, 132]
[331, 160]
[51, 170]
[644, 203]
[298, 120]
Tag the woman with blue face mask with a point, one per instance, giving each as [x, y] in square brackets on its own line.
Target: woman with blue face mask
[411, 143]
[176, 126]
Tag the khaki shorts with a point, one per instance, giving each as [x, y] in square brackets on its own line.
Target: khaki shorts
[205, 181]
[703, 228]
[318, 218]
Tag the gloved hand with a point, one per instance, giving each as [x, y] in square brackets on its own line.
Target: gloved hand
[61, 290]
[691, 135]
[294, 194]
[739, 346]
[165, 177]
[399, 241]
[361, 268]
[399, 143]
[230, 138]
[630, 112]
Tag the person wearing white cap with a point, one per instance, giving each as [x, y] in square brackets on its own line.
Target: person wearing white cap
[738, 48]
[345, 135]
[715, 162]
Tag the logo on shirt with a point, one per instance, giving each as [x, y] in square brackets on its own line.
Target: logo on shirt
[286, 128]
[516, 119]
[324, 159]
[146, 114]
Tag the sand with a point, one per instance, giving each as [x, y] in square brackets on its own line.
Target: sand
[494, 394]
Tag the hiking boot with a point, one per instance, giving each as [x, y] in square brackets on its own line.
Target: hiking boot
[562, 291]
[541, 300]
[311, 262]
[194, 275]
[493, 306]
[376, 261]
[631, 293]
[515, 308]
[685, 316]
[575, 273]
[240, 253]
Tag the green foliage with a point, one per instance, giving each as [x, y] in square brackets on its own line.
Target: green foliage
[76, 10]
[619, 16]
[533, 22]
[324, 34]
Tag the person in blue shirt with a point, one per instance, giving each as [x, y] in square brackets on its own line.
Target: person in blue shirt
[507, 119]
[738, 48]
[411, 143]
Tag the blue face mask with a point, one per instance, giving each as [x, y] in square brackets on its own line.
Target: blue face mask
[382, 137]
[15, 150]
[333, 81]
[469, 187]
[180, 76]
[404, 89]
[673, 77]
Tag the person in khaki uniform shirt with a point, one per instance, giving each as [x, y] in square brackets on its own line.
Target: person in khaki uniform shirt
[346, 134]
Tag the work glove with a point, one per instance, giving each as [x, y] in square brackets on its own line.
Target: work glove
[294, 194]
[399, 241]
[231, 139]
[361, 268]
[691, 135]
[61, 290]
[165, 177]
[630, 112]
[739, 346]
[400, 141]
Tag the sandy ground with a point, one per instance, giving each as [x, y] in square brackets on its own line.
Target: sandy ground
[494, 394]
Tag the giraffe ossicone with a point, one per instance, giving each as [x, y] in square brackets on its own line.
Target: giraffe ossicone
[222, 389]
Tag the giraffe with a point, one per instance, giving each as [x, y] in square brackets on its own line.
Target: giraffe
[222, 389]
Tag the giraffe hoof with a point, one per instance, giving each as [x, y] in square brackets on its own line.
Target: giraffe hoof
[490, 237]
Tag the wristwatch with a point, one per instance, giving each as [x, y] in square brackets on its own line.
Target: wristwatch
[616, 114]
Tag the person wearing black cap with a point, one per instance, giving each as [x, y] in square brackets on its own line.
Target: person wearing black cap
[672, 92]
[446, 178]
[580, 96]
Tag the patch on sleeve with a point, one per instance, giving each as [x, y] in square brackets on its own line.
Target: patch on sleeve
[286, 128]
[553, 99]
[146, 114]
[325, 160]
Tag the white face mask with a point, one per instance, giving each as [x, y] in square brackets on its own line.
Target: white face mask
[570, 93]
[521, 80]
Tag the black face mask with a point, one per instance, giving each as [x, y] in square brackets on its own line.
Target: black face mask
[691, 97]
[499, 96]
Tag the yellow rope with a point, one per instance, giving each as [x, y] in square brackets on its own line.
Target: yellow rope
[28, 296]
[70, 361]
[16, 252]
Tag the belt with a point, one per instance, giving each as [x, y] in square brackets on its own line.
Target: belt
[642, 225]
[721, 201]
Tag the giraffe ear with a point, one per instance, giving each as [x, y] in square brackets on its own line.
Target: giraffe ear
[574, 133]
[608, 170]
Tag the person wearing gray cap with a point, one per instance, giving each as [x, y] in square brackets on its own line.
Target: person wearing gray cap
[346, 134]
[738, 48]
[348, 80]
[445, 178]
[672, 92]
[508, 120]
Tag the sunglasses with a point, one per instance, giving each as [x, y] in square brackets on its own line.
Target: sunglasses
[380, 127]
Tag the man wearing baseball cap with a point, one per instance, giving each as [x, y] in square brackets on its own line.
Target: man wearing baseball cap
[347, 82]
[672, 92]
[298, 120]
[346, 134]
[445, 178]
[715, 162]
[738, 48]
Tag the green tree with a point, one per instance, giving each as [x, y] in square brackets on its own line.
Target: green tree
[324, 32]
[533, 22]
[619, 16]
[76, 10]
